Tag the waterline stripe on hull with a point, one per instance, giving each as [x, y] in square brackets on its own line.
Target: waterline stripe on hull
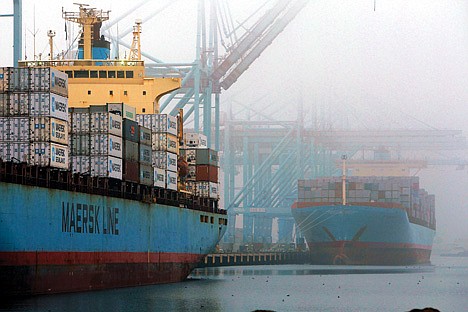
[50, 279]
[70, 258]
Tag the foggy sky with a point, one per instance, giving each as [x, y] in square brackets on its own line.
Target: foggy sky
[403, 66]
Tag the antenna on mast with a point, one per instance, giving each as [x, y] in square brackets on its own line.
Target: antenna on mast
[51, 35]
[34, 33]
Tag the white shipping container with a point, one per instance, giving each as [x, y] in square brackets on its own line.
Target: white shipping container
[106, 144]
[195, 140]
[106, 123]
[167, 124]
[205, 189]
[150, 121]
[159, 177]
[106, 166]
[171, 180]
[80, 164]
[48, 129]
[202, 189]
[80, 123]
[165, 160]
[47, 79]
[124, 110]
[165, 142]
[4, 129]
[14, 104]
[15, 151]
[4, 108]
[190, 155]
[49, 104]
[158, 123]
[49, 154]
[80, 144]
[14, 79]
[190, 187]
[14, 129]
[214, 190]
[192, 173]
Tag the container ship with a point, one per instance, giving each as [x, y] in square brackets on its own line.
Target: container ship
[99, 189]
[366, 220]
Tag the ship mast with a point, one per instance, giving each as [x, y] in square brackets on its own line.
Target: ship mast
[87, 17]
[135, 50]
[343, 158]
[51, 35]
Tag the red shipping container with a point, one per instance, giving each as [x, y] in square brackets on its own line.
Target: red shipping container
[131, 171]
[207, 173]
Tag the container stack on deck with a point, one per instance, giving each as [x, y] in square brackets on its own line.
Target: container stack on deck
[403, 192]
[96, 142]
[103, 141]
[164, 148]
[203, 166]
[33, 116]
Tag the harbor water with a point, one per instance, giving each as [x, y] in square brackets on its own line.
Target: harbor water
[443, 285]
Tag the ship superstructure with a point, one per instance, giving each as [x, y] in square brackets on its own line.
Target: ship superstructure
[95, 78]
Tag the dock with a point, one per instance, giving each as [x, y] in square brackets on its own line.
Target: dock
[256, 258]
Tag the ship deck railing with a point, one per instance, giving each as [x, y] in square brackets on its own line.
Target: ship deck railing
[80, 62]
[53, 178]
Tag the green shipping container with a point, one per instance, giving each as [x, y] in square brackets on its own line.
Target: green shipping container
[207, 156]
[131, 130]
[145, 135]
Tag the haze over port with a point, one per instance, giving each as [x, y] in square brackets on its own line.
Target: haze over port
[402, 66]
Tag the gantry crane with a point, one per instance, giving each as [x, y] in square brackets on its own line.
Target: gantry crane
[203, 79]
[17, 30]
[263, 159]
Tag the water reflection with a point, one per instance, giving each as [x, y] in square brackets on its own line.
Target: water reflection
[280, 288]
[307, 270]
[170, 297]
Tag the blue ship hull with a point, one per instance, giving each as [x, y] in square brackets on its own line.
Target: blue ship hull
[60, 241]
[363, 235]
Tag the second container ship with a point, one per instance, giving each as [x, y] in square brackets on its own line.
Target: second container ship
[366, 220]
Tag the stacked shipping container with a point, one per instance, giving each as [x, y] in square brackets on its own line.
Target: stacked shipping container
[135, 153]
[33, 116]
[108, 140]
[203, 166]
[164, 148]
[96, 142]
[401, 192]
